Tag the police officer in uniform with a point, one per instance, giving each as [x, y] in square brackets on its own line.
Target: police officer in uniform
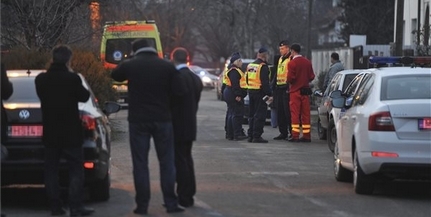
[258, 87]
[234, 94]
[281, 97]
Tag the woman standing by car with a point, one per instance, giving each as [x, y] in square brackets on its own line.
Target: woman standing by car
[233, 95]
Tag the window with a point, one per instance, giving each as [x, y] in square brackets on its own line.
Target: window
[406, 87]
[351, 88]
[363, 90]
[24, 90]
[333, 85]
[119, 49]
[347, 80]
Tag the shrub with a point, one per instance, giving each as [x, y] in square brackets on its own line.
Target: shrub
[84, 62]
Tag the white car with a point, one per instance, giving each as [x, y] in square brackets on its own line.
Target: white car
[328, 116]
[385, 131]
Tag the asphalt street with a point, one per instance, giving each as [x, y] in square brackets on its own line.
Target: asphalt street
[242, 179]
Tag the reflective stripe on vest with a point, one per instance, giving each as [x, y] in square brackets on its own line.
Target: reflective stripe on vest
[242, 81]
[282, 71]
[225, 76]
[253, 76]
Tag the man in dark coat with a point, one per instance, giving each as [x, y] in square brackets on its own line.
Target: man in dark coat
[185, 125]
[152, 83]
[59, 91]
[6, 92]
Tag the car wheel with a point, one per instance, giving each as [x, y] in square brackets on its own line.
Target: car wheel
[320, 130]
[100, 191]
[363, 184]
[331, 135]
[341, 173]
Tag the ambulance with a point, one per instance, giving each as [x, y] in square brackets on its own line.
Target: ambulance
[116, 46]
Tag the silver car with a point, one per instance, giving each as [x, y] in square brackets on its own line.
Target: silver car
[385, 131]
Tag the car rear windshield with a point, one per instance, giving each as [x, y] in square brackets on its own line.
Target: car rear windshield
[406, 87]
[24, 90]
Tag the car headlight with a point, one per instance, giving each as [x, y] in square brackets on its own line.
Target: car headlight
[206, 79]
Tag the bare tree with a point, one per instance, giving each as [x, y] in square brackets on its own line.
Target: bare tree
[40, 23]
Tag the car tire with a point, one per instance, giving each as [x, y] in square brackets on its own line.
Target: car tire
[320, 130]
[100, 191]
[341, 173]
[331, 135]
[363, 184]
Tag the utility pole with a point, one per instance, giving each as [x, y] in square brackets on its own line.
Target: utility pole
[308, 45]
[399, 28]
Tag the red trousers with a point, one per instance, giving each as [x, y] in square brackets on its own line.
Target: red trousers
[300, 114]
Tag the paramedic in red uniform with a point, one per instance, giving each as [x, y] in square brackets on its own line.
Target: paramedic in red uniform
[300, 74]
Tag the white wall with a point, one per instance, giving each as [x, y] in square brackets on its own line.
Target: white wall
[410, 14]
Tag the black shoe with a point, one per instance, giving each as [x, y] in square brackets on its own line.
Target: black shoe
[140, 211]
[289, 138]
[174, 209]
[239, 138]
[250, 139]
[305, 140]
[259, 140]
[230, 138]
[58, 212]
[186, 205]
[280, 137]
[83, 211]
[294, 140]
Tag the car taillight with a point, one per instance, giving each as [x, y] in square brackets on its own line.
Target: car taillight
[381, 121]
[88, 121]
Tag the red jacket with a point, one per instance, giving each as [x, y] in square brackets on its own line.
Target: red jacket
[300, 73]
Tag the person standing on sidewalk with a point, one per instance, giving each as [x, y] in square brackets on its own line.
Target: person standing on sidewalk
[257, 76]
[184, 120]
[281, 95]
[300, 74]
[60, 90]
[234, 94]
[335, 67]
[152, 83]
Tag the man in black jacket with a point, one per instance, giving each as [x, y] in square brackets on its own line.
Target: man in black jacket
[60, 90]
[152, 82]
[184, 120]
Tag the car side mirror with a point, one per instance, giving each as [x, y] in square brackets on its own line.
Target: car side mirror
[111, 107]
[335, 94]
[318, 93]
[338, 102]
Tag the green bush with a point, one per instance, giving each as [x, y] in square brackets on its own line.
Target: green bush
[83, 61]
[320, 80]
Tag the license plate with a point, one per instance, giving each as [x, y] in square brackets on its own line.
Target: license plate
[424, 124]
[120, 100]
[25, 131]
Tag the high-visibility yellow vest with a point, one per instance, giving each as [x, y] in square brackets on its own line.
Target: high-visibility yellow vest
[282, 71]
[253, 76]
[242, 81]
[225, 76]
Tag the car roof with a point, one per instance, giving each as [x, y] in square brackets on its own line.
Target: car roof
[391, 71]
[350, 71]
[24, 72]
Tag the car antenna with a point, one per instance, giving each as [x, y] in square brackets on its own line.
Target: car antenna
[28, 72]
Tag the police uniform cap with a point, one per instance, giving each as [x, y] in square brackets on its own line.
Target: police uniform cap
[262, 50]
[284, 43]
[235, 56]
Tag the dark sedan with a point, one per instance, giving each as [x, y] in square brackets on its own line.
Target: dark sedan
[25, 159]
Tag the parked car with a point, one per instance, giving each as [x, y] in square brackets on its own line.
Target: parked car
[208, 80]
[385, 131]
[328, 116]
[25, 161]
